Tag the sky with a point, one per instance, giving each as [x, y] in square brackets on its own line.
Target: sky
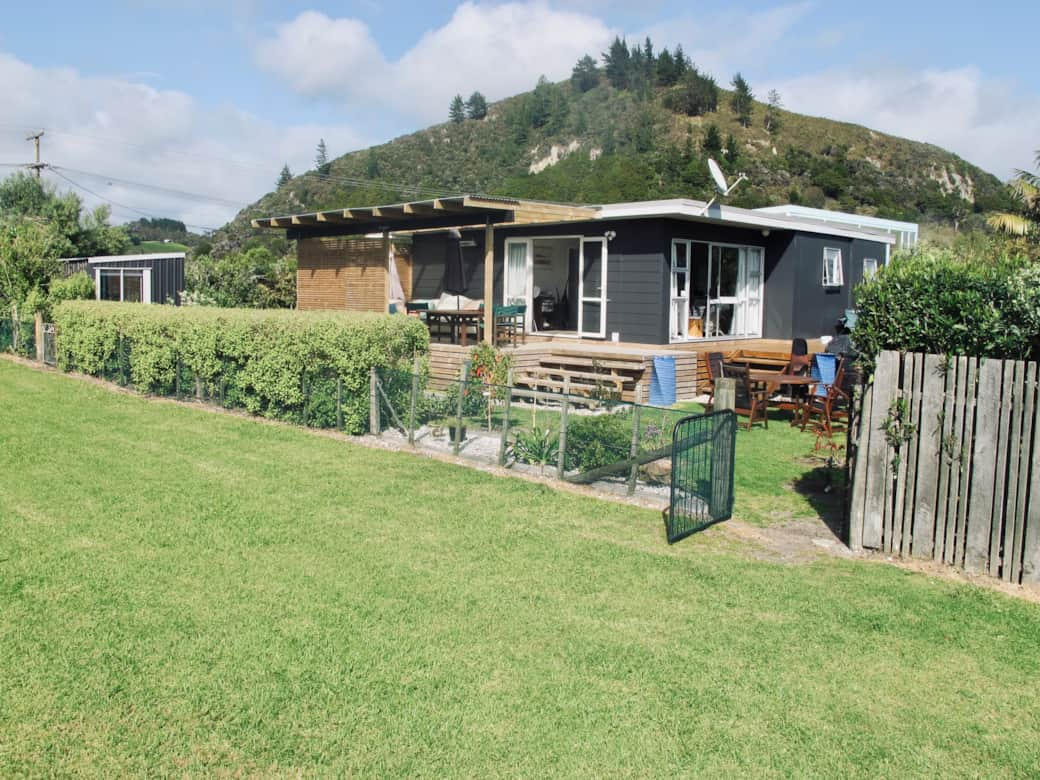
[189, 108]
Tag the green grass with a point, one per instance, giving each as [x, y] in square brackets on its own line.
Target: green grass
[150, 247]
[183, 592]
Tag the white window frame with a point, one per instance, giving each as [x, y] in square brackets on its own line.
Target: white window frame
[146, 282]
[746, 291]
[870, 263]
[833, 273]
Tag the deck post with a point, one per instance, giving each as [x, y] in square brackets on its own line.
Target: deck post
[388, 253]
[489, 283]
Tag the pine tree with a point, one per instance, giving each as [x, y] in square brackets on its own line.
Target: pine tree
[617, 62]
[457, 110]
[682, 63]
[585, 75]
[742, 101]
[666, 74]
[321, 159]
[285, 176]
[476, 106]
[732, 151]
[712, 143]
[772, 119]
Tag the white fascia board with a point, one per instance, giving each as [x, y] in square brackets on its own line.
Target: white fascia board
[693, 210]
[825, 215]
[125, 258]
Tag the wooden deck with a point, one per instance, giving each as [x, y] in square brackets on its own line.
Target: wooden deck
[690, 368]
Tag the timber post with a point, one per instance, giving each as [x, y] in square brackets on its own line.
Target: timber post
[637, 409]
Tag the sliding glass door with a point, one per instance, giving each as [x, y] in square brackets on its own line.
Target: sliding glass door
[715, 290]
[592, 287]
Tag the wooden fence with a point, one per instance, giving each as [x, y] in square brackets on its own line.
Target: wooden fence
[945, 464]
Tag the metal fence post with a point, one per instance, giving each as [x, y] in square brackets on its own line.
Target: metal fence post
[463, 382]
[120, 360]
[305, 387]
[634, 451]
[339, 403]
[561, 458]
[504, 445]
[374, 426]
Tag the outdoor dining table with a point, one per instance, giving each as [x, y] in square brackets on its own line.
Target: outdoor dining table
[459, 321]
[777, 379]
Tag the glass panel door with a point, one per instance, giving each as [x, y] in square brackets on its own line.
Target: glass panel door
[753, 291]
[680, 291]
[592, 287]
[132, 286]
[724, 310]
[514, 288]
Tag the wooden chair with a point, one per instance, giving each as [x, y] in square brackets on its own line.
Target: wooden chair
[510, 323]
[830, 401]
[714, 366]
[752, 398]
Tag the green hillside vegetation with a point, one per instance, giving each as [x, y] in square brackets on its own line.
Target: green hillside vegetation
[642, 126]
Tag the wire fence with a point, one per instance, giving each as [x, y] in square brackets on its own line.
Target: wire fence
[18, 336]
[614, 445]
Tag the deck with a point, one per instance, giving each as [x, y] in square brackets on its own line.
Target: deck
[690, 368]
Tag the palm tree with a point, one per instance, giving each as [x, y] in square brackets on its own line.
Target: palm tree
[1026, 189]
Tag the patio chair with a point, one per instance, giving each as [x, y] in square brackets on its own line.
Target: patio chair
[752, 397]
[714, 366]
[509, 323]
[829, 399]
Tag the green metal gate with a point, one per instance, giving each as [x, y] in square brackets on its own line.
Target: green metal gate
[703, 449]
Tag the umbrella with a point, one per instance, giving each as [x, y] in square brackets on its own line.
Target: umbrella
[454, 271]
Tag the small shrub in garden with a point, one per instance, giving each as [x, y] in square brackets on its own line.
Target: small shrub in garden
[598, 440]
[538, 447]
[262, 361]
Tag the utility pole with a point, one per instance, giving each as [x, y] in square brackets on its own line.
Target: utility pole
[36, 166]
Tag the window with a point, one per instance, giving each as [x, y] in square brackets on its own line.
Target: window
[132, 285]
[870, 266]
[832, 273]
[717, 290]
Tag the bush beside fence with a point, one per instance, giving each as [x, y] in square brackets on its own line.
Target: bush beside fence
[306, 367]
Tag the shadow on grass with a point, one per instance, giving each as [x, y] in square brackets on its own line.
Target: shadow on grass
[824, 488]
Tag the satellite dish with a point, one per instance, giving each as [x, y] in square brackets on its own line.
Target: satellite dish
[723, 188]
[718, 177]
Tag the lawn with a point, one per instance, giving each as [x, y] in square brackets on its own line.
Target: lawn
[157, 247]
[184, 592]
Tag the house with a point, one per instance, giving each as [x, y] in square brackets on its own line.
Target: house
[653, 277]
[148, 278]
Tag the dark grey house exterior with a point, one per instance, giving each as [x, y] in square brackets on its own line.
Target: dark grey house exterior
[664, 273]
[148, 278]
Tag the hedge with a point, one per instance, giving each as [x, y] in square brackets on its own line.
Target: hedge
[938, 302]
[287, 365]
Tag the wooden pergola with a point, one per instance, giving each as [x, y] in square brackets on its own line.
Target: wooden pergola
[459, 211]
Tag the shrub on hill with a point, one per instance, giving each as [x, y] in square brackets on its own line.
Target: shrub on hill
[266, 362]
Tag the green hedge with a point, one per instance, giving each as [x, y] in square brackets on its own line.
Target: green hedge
[936, 301]
[280, 364]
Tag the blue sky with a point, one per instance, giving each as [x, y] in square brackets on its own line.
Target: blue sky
[209, 98]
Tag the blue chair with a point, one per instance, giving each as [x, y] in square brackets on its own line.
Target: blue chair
[824, 369]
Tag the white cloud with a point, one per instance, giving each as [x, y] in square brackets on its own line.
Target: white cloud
[985, 121]
[131, 131]
[497, 49]
[725, 42]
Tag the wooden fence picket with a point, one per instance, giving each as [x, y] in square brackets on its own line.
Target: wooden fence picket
[965, 489]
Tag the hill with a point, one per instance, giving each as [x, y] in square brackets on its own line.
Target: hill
[606, 144]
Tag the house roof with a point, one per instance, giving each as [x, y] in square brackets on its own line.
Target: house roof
[455, 211]
[844, 217]
[126, 258]
[699, 211]
[475, 210]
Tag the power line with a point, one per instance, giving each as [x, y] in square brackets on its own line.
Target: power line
[123, 206]
[158, 188]
[387, 186]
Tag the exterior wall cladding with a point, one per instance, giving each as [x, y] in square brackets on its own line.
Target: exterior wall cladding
[167, 275]
[796, 304]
